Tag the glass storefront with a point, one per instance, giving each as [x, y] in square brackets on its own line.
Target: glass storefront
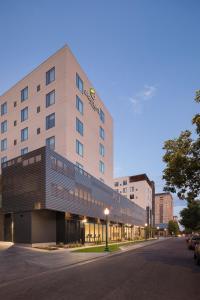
[96, 232]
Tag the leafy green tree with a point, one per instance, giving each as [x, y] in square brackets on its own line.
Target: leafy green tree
[190, 216]
[182, 158]
[173, 227]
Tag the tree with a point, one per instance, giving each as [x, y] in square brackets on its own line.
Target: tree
[190, 216]
[173, 227]
[182, 158]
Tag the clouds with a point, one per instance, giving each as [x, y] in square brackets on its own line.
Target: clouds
[139, 99]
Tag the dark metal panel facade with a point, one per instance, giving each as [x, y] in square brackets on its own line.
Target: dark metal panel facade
[23, 182]
[70, 189]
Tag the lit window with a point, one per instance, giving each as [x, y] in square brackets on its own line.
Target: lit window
[50, 98]
[102, 116]
[101, 150]
[79, 105]
[24, 150]
[3, 144]
[24, 134]
[50, 142]
[101, 167]
[50, 121]
[50, 76]
[79, 126]
[79, 83]
[4, 109]
[4, 127]
[79, 148]
[101, 133]
[24, 114]
[24, 94]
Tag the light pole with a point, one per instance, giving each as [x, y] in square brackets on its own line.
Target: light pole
[158, 232]
[165, 232]
[106, 213]
[145, 230]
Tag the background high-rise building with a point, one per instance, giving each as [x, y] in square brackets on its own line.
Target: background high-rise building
[163, 209]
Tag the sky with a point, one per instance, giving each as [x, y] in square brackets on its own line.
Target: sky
[142, 57]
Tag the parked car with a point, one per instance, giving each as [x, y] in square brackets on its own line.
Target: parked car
[195, 239]
[197, 253]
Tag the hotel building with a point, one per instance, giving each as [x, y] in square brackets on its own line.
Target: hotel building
[57, 160]
[163, 210]
[140, 190]
[56, 105]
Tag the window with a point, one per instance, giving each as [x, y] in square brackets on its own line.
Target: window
[38, 109]
[101, 150]
[24, 134]
[79, 126]
[24, 94]
[50, 142]
[124, 182]
[124, 190]
[79, 105]
[132, 196]
[38, 87]
[101, 133]
[50, 98]
[79, 83]
[50, 121]
[15, 142]
[38, 130]
[24, 150]
[4, 159]
[131, 189]
[102, 116]
[15, 123]
[15, 103]
[50, 76]
[3, 144]
[4, 109]
[4, 127]
[79, 148]
[24, 114]
[80, 167]
[116, 183]
[101, 167]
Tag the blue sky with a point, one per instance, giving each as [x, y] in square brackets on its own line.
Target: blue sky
[142, 57]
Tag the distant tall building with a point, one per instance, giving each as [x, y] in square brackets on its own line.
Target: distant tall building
[163, 209]
[139, 189]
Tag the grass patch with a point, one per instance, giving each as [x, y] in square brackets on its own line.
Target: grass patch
[112, 247]
[99, 249]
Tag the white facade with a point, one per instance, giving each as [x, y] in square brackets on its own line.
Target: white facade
[136, 188]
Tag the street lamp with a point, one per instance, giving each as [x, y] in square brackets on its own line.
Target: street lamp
[106, 213]
[145, 230]
[158, 232]
[165, 232]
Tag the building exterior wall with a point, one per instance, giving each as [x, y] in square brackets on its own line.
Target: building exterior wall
[56, 196]
[137, 189]
[66, 68]
[163, 209]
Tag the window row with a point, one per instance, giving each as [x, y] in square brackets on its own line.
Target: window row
[50, 98]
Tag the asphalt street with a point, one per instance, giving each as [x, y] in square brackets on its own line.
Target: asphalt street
[162, 271]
